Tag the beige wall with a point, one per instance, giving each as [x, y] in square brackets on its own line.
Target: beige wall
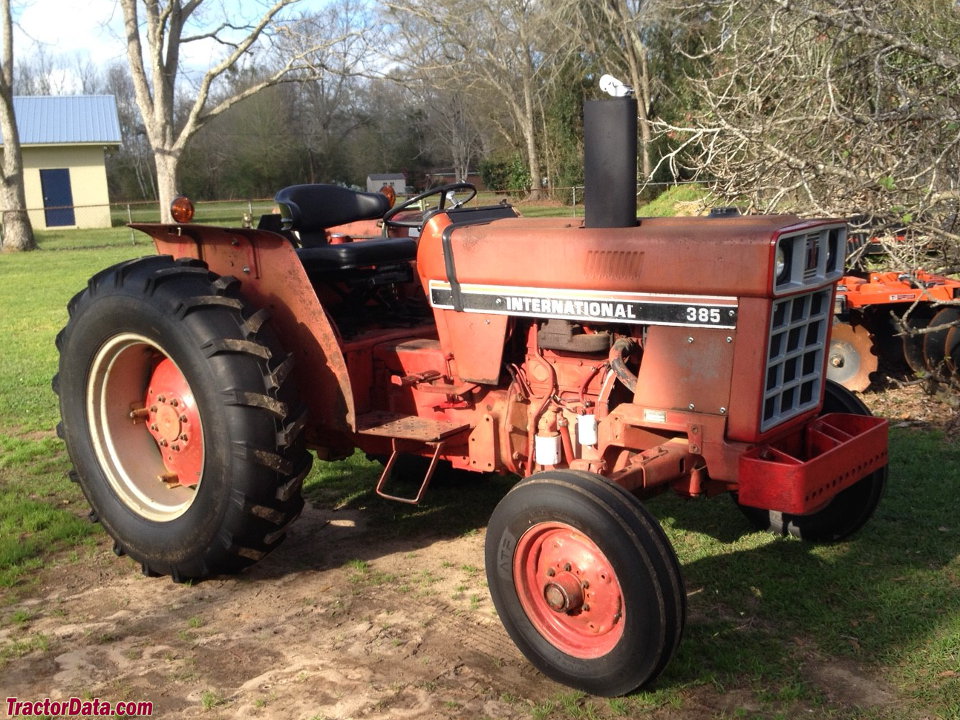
[88, 181]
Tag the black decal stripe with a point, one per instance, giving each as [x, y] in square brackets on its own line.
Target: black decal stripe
[635, 312]
[456, 296]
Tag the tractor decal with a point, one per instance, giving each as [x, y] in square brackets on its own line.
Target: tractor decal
[631, 308]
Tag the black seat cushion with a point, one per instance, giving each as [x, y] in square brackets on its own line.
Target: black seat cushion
[364, 253]
[308, 208]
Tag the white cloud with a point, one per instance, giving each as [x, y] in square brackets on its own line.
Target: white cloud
[92, 29]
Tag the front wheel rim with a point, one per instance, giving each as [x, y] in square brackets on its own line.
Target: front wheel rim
[145, 427]
[569, 590]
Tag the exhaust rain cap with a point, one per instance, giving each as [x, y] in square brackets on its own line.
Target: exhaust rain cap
[614, 88]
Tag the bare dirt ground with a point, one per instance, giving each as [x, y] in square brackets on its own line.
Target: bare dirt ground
[337, 623]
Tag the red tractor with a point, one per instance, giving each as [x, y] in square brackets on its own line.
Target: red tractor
[603, 361]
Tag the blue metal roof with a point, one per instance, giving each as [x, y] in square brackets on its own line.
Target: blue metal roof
[67, 119]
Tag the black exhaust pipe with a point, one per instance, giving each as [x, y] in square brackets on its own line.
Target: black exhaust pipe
[610, 162]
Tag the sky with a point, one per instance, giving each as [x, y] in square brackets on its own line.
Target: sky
[93, 29]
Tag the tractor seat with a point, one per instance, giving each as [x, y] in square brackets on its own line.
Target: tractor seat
[311, 209]
[359, 254]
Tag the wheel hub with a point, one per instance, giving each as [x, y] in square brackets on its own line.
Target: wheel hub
[151, 452]
[166, 419]
[564, 593]
[174, 422]
[569, 590]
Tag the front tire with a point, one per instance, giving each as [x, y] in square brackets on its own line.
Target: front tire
[585, 582]
[846, 513]
[180, 417]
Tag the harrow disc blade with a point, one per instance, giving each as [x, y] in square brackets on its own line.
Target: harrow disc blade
[935, 342]
[852, 356]
[913, 344]
[952, 349]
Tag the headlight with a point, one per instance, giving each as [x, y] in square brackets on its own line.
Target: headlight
[780, 264]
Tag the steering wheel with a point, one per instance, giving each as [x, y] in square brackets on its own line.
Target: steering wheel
[441, 190]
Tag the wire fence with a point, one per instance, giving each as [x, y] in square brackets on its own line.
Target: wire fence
[247, 211]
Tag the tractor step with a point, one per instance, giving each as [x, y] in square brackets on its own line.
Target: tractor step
[387, 474]
[407, 427]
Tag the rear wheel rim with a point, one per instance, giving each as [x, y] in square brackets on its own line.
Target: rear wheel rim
[569, 590]
[145, 427]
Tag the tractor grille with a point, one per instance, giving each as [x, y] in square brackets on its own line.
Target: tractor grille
[795, 356]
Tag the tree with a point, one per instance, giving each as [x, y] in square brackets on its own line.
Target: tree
[130, 170]
[17, 230]
[154, 47]
[450, 120]
[491, 49]
[839, 107]
[620, 35]
[58, 74]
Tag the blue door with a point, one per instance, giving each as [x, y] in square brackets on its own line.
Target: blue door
[57, 197]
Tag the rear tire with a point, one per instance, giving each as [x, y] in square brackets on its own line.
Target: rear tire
[846, 513]
[585, 582]
[180, 417]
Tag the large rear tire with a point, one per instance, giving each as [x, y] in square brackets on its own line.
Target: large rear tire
[180, 417]
[846, 513]
[585, 582]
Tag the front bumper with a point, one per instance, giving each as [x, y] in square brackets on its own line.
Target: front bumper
[837, 450]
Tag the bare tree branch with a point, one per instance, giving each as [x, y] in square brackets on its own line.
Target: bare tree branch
[155, 73]
[842, 107]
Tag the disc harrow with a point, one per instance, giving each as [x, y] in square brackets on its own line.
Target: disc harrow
[902, 318]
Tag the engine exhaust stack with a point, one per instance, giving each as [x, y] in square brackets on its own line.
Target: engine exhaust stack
[610, 162]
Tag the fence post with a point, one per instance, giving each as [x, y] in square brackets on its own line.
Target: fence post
[133, 235]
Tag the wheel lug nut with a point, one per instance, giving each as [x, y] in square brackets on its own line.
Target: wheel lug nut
[566, 567]
[161, 398]
[154, 427]
[585, 584]
[183, 418]
[551, 572]
[183, 437]
[586, 607]
[174, 402]
[163, 443]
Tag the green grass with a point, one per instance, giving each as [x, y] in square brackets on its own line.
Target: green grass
[763, 611]
[665, 204]
[40, 510]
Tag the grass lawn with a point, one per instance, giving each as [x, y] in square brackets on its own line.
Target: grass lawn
[887, 602]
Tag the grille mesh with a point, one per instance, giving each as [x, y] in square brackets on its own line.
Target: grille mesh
[794, 372]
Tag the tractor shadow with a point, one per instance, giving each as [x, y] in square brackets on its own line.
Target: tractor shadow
[777, 607]
[346, 521]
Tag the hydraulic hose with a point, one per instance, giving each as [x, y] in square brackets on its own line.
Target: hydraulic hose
[619, 353]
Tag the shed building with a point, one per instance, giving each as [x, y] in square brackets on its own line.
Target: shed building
[398, 181]
[64, 141]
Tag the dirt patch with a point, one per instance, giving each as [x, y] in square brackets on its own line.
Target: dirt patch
[327, 627]
[309, 633]
[846, 684]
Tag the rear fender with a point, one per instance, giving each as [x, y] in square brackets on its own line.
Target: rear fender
[272, 277]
